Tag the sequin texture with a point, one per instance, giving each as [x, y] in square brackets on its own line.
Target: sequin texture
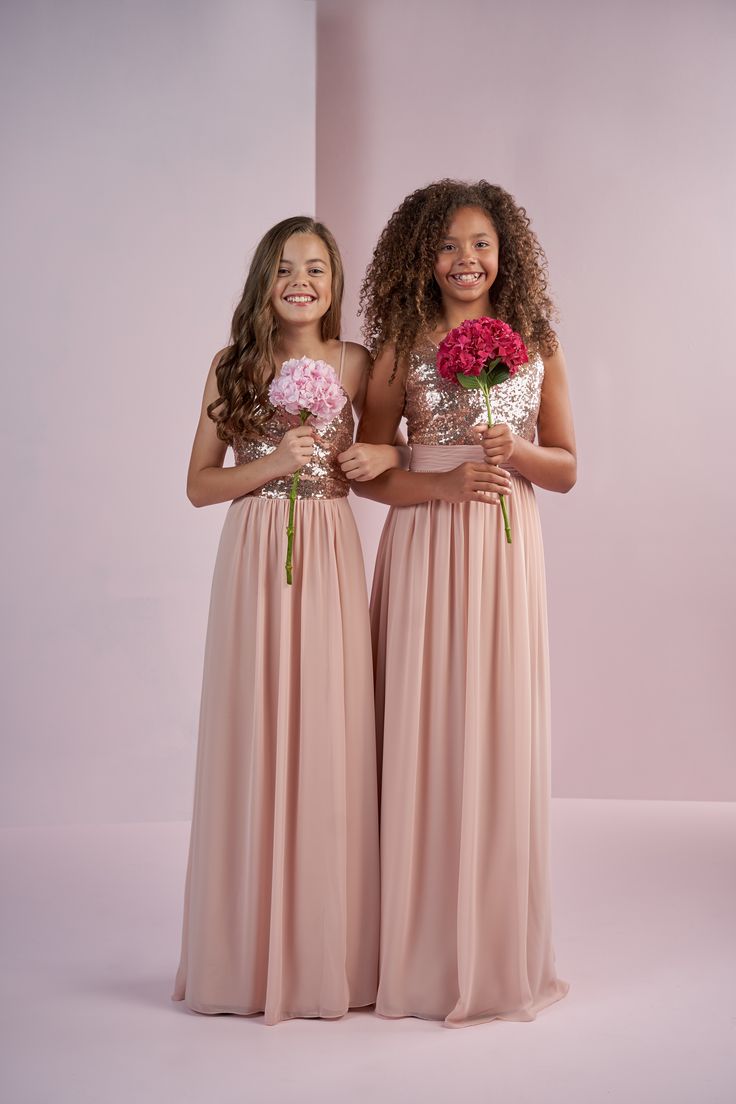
[322, 477]
[439, 412]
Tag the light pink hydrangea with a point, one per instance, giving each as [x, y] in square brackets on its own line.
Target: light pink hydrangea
[308, 385]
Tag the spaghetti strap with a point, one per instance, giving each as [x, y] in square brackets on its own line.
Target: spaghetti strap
[342, 360]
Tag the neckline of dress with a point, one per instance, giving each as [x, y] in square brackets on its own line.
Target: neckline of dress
[427, 340]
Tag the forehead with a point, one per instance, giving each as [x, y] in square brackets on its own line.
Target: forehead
[304, 247]
[468, 222]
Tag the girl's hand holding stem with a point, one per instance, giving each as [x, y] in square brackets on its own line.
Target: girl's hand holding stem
[294, 450]
[497, 442]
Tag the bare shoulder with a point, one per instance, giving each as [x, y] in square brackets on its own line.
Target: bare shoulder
[217, 359]
[356, 372]
[387, 370]
[211, 389]
[357, 356]
[555, 365]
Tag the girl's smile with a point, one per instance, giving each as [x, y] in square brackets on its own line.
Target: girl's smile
[466, 279]
[300, 299]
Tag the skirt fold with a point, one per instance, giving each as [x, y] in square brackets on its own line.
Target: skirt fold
[281, 898]
[460, 646]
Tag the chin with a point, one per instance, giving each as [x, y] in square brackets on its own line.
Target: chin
[474, 298]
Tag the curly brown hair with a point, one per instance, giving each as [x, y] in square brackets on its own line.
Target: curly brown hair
[400, 299]
[246, 366]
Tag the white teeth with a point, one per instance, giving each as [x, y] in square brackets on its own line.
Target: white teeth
[467, 277]
[299, 298]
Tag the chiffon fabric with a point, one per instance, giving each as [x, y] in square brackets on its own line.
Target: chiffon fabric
[281, 898]
[461, 662]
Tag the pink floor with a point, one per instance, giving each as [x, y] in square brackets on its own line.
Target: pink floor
[645, 921]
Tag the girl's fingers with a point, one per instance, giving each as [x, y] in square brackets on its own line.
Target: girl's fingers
[491, 471]
[495, 487]
[494, 483]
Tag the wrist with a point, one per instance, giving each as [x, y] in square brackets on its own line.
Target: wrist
[436, 489]
[519, 451]
[393, 456]
[273, 468]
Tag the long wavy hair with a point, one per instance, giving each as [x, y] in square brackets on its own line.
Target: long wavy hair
[246, 366]
[400, 300]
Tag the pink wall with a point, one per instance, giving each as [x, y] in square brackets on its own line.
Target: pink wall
[613, 125]
[146, 148]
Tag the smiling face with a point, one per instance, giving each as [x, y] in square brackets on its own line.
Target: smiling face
[303, 289]
[467, 259]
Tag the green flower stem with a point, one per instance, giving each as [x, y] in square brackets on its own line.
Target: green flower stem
[303, 414]
[290, 526]
[507, 527]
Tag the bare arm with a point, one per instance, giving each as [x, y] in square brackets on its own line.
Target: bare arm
[364, 461]
[384, 406]
[209, 482]
[552, 462]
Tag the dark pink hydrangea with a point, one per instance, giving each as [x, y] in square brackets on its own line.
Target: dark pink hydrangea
[470, 346]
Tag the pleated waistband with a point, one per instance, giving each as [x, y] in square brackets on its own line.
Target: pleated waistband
[438, 458]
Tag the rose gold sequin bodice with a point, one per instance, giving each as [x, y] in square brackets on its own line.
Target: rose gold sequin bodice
[322, 477]
[439, 412]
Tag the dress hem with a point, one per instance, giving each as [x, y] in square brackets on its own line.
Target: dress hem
[222, 1010]
[524, 1015]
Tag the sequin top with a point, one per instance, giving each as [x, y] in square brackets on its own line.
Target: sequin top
[322, 477]
[440, 412]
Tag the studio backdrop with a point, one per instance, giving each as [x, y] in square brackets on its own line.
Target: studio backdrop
[148, 146]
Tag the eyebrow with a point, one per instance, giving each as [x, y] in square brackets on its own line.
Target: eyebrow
[481, 234]
[313, 260]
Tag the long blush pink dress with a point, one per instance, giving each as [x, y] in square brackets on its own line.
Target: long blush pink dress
[281, 899]
[460, 647]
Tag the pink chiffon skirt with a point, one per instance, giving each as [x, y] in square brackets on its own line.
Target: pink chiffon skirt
[461, 658]
[281, 899]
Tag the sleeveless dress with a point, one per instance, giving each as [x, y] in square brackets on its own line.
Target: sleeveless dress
[281, 898]
[460, 650]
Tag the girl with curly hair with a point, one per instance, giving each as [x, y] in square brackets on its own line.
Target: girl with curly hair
[281, 899]
[459, 616]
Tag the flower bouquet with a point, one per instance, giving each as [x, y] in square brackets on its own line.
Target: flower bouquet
[311, 389]
[479, 354]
